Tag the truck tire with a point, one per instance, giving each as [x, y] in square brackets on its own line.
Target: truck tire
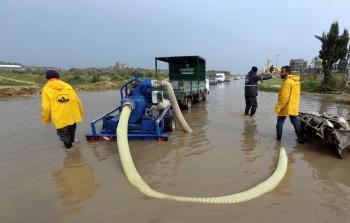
[188, 103]
[204, 96]
[169, 123]
[197, 98]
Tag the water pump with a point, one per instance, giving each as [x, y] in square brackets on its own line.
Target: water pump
[151, 115]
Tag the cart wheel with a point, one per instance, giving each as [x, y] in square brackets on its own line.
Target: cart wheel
[169, 124]
[188, 104]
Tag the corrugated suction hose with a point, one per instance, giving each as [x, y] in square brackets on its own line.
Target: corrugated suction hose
[174, 104]
[135, 178]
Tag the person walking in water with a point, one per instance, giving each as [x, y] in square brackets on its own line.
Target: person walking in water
[288, 103]
[62, 106]
[251, 90]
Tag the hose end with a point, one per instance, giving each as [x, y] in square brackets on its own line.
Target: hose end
[129, 103]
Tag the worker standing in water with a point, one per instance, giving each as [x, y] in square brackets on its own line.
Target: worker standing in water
[62, 105]
[288, 103]
[251, 90]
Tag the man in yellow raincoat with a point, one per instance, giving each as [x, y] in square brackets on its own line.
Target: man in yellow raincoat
[62, 106]
[288, 103]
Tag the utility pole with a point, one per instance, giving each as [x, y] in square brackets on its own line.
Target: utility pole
[277, 55]
[347, 68]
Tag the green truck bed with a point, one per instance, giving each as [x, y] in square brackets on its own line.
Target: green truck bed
[187, 75]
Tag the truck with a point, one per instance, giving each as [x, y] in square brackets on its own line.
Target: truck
[220, 77]
[187, 75]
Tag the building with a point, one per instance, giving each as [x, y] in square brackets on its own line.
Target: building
[120, 65]
[10, 67]
[317, 63]
[268, 65]
[298, 64]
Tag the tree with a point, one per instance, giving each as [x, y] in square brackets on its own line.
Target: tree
[347, 67]
[272, 69]
[95, 78]
[343, 65]
[334, 48]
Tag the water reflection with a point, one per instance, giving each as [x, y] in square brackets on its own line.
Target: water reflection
[159, 161]
[249, 141]
[324, 104]
[76, 181]
[102, 150]
[331, 175]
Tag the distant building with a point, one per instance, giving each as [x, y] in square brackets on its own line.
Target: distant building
[9, 67]
[120, 65]
[317, 63]
[18, 67]
[268, 65]
[39, 68]
[298, 65]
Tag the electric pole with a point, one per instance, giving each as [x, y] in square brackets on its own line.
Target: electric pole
[277, 55]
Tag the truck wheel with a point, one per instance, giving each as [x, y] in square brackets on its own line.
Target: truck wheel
[197, 98]
[188, 103]
[204, 96]
[169, 124]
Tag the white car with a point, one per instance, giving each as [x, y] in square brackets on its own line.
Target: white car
[220, 77]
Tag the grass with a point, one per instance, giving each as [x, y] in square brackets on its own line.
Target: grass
[27, 83]
[5, 82]
[343, 102]
[272, 85]
[31, 77]
[307, 85]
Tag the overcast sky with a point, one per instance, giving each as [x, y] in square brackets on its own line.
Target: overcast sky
[230, 35]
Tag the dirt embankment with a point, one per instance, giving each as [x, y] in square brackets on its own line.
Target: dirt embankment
[18, 91]
[8, 92]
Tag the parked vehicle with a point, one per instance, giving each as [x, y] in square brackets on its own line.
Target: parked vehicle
[187, 75]
[213, 81]
[220, 77]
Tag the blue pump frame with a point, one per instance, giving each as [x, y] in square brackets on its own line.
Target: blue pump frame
[133, 134]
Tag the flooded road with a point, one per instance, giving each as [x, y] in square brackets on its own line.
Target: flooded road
[227, 153]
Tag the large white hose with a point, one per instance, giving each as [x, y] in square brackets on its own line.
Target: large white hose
[174, 103]
[135, 178]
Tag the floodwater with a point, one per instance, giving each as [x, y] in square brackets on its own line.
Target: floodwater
[226, 153]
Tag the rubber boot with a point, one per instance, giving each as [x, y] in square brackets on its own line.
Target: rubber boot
[246, 111]
[252, 111]
[279, 130]
[299, 132]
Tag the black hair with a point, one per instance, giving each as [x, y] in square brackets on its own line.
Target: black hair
[52, 74]
[254, 69]
[287, 68]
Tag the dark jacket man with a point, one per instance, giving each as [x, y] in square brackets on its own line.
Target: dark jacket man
[251, 90]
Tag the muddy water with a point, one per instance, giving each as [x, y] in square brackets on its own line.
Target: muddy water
[227, 153]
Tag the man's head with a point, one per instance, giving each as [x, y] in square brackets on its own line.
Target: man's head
[254, 69]
[285, 71]
[52, 74]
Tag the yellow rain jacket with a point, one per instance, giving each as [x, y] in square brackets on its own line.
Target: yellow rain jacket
[60, 104]
[289, 96]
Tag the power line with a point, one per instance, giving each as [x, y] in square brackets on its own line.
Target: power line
[307, 19]
[309, 24]
[299, 18]
[312, 21]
